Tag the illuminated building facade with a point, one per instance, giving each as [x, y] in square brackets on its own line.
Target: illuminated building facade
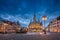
[54, 25]
[9, 27]
[35, 26]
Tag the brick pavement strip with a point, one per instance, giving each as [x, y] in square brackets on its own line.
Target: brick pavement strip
[53, 36]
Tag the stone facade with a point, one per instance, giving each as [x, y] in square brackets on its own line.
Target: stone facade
[54, 25]
[9, 27]
[35, 26]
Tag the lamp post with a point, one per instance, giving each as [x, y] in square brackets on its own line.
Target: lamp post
[44, 18]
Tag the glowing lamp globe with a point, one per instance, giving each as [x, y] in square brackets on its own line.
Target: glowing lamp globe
[44, 18]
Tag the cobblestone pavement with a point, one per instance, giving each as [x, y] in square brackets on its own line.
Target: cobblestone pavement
[30, 36]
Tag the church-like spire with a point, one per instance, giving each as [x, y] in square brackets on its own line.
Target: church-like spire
[34, 18]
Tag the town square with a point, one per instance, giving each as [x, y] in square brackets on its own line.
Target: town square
[29, 19]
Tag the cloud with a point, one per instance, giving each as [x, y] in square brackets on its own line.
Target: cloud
[23, 10]
[16, 18]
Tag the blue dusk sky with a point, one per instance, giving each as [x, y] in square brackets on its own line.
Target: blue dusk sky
[23, 10]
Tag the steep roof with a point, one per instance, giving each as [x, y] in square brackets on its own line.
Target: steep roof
[58, 18]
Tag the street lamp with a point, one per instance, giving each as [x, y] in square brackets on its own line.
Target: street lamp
[44, 18]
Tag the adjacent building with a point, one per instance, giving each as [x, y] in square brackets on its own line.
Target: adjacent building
[54, 25]
[35, 26]
[9, 27]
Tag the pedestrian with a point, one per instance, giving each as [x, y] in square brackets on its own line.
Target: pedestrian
[44, 31]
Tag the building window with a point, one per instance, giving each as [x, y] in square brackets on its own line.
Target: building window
[57, 25]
